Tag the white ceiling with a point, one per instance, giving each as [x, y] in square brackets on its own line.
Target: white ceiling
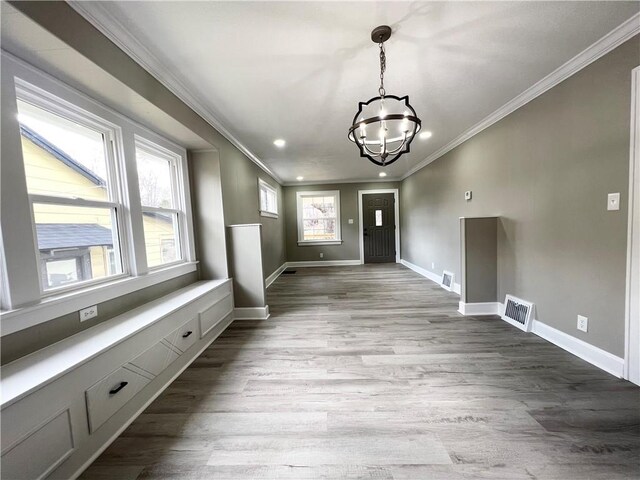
[297, 70]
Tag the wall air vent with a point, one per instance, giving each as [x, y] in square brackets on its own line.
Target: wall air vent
[447, 280]
[518, 312]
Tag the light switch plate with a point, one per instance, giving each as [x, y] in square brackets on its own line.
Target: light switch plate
[613, 201]
[467, 195]
[351, 221]
[89, 312]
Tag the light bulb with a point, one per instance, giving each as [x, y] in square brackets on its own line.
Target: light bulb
[425, 135]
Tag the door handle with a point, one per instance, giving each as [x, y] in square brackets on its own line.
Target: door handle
[115, 390]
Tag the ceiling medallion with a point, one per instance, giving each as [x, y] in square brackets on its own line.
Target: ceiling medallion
[384, 126]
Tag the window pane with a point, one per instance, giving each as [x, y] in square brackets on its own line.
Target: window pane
[378, 218]
[161, 238]
[76, 244]
[61, 157]
[320, 229]
[154, 178]
[318, 207]
[263, 198]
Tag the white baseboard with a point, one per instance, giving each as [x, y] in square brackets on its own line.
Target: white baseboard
[324, 263]
[430, 275]
[251, 313]
[486, 308]
[272, 278]
[594, 355]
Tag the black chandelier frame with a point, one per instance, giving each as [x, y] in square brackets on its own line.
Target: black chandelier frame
[391, 116]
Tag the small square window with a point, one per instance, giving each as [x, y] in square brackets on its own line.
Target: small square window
[268, 199]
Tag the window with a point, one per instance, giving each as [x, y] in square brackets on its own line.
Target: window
[319, 218]
[162, 215]
[268, 199]
[99, 207]
[73, 191]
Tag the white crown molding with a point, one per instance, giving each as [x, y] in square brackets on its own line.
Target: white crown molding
[611, 40]
[99, 16]
[340, 182]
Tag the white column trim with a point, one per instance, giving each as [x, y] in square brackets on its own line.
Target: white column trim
[632, 297]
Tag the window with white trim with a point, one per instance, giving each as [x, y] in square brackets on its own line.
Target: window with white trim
[162, 215]
[74, 192]
[319, 218]
[268, 199]
[99, 207]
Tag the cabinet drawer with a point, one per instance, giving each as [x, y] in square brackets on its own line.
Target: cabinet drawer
[214, 314]
[185, 336]
[155, 359]
[110, 394]
[41, 451]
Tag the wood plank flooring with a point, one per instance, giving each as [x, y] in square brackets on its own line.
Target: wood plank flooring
[369, 372]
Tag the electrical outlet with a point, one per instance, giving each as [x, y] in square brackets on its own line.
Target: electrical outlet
[613, 201]
[321, 255]
[88, 313]
[433, 265]
[583, 323]
[351, 221]
[467, 195]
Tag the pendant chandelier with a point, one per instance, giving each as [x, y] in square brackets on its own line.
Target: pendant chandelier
[384, 126]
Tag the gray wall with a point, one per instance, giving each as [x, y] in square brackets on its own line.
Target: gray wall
[545, 170]
[241, 204]
[350, 248]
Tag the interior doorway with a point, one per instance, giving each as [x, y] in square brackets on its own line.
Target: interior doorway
[379, 226]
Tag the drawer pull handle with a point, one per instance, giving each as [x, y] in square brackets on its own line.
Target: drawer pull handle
[115, 390]
[185, 335]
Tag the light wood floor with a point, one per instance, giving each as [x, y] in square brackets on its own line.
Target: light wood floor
[369, 372]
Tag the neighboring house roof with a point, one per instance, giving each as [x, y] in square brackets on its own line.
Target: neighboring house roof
[70, 235]
[60, 155]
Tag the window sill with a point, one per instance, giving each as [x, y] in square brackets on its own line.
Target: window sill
[56, 306]
[310, 243]
[268, 214]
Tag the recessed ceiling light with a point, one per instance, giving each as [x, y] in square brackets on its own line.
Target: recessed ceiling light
[382, 174]
[279, 142]
[425, 135]
[299, 178]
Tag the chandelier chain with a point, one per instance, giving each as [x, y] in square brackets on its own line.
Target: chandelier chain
[383, 67]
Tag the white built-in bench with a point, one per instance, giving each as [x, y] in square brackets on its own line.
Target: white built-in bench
[64, 404]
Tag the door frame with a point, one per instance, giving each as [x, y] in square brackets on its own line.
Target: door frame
[396, 202]
[632, 300]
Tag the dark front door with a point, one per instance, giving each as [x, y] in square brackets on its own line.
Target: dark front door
[378, 224]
